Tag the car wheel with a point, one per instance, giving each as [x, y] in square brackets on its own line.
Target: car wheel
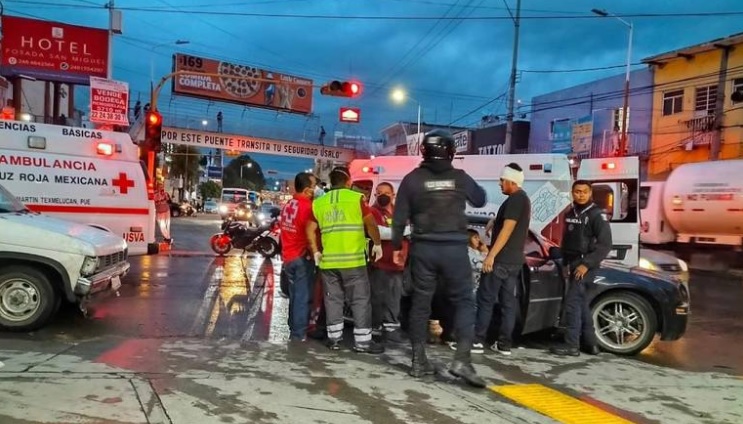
[27, 299]
[625, 323]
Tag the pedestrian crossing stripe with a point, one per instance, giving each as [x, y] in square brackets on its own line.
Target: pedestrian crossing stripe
[556, 405]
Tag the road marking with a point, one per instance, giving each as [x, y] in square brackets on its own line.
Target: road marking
[1, 364]
[558, 406]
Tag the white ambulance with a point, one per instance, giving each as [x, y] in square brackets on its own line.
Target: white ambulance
[548, 180]
[82, 175]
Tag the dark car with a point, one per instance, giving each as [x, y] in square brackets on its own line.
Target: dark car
[630, 306]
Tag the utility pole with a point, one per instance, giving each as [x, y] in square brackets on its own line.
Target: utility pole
[512, 82]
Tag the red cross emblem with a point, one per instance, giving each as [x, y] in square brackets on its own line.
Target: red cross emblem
[290, 212]
[123, 183]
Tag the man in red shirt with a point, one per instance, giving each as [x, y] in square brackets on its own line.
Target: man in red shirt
[299, 267]
[386, 276]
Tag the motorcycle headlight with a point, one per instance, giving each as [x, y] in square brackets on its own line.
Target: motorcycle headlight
[89, 266]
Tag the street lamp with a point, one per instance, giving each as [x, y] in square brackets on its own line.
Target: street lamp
[204, 123]
[399, 96]
[152, 55]
[623, 139]
[249, 165]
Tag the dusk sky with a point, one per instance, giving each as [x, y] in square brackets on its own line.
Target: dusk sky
[456, 67]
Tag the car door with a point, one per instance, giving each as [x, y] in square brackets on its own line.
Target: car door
[544, 288]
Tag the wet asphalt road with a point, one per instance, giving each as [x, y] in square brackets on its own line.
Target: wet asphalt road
[188, 324]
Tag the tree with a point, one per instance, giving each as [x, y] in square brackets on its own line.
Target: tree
[185, 164]
[244, 172]
[210, 190]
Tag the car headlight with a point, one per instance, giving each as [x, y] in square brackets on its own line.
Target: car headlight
[261, 216]
[89, 266]
[646, 264]
[683, 265]
[223, 208]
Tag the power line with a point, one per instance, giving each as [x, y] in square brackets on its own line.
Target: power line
[388, 17]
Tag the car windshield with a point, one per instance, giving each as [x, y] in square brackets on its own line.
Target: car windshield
[8, 202]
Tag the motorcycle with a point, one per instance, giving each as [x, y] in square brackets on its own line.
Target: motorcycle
[236, 235]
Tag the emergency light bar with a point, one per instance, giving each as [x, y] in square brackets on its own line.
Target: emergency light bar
[608, 166]
[105, 149]
[371, 169]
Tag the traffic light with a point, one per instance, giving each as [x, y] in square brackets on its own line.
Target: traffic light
[153, 130]
[341, 89]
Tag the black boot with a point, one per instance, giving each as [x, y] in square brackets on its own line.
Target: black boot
[462, 365]
[421, 367]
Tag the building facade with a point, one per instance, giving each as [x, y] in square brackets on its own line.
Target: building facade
[696, 115]
[491, 140]
[586, 120]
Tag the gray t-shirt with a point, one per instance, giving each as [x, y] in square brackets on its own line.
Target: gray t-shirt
[516, 207]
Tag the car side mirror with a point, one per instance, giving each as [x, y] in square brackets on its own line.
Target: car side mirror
[555, 253]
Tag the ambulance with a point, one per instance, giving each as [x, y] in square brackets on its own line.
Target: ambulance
[83, 175]
[548, 181]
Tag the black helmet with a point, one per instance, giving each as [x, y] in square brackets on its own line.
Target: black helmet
[438, 144]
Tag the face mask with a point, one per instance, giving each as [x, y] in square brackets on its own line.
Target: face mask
[384, 200]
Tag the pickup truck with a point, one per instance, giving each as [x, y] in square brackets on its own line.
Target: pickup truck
[45, 260]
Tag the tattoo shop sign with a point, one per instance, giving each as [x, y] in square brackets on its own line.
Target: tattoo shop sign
[248, 144]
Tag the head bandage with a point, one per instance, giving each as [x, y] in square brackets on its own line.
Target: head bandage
[511, 174]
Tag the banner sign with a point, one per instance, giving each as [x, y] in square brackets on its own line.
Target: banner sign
[248, 144]
[229, 82]
[109, 101]
[462, 141]
[582, 135]
[52, 51]
[562, 136]
[414, 144]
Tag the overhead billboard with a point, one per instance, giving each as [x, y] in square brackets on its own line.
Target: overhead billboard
[228, 82]
[53, 51]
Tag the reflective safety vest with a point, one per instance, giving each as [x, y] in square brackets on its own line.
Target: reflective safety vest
[341, 223]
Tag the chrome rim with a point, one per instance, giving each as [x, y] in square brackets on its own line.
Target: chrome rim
[619, 324]
[19, 300]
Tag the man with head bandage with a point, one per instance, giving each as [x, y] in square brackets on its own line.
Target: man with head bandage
[502, 266]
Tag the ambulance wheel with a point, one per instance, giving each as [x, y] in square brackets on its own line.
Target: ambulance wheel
[27, 299]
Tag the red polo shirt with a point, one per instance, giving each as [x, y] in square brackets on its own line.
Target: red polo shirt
[387, 263]
[295, 216]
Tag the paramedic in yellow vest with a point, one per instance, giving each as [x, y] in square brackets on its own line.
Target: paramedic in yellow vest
[342, 217]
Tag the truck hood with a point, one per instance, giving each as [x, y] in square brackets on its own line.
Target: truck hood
[60, 235]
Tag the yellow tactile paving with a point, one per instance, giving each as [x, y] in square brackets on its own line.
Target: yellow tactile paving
[558, 406]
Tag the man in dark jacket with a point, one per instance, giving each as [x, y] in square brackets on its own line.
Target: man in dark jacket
[586, 241]
[433, 198]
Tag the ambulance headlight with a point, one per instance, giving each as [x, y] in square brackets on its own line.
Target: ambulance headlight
[89, 266]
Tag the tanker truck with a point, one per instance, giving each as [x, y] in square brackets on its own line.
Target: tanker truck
[699, 203]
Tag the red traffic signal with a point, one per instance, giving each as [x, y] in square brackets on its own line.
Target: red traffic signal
[341, 89]
[153, 130]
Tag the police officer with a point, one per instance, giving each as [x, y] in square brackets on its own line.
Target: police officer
[433, 197]
[586, 241]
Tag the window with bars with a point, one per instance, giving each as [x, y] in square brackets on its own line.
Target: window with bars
[737, 86]
[673, 102]
[706, 98]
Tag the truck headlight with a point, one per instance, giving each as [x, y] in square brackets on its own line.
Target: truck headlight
[89, 266]
[646, 264]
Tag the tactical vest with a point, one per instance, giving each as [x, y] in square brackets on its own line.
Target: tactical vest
[341, 223]
[578, 238]
[439, 208]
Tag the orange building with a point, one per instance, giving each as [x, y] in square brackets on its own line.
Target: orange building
[697, 105]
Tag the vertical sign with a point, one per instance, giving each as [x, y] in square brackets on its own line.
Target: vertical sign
[109, 101]
[562, 136]
[582, 135]
[462, 141]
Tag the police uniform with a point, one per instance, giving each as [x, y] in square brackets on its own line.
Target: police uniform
[433, 197]
[586, 241]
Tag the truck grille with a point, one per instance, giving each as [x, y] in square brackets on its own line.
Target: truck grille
[107, 261]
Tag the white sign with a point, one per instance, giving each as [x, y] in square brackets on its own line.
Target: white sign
[109, 101]
[414, 144]
[248, 144]
[462, 141]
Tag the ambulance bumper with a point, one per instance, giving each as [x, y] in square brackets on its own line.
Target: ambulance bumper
[109, 279]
